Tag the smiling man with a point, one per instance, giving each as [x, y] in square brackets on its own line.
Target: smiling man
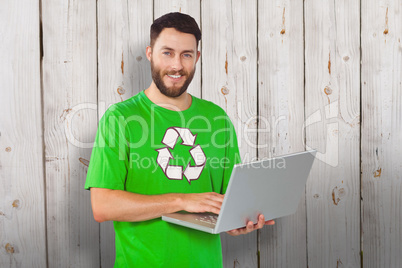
[163, 151]
[172, 62]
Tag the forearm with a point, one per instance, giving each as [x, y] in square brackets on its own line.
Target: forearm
[119, 205]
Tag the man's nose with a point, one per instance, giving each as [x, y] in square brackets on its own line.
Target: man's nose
[176, 63]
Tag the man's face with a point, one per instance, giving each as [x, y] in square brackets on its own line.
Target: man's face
[173, 58]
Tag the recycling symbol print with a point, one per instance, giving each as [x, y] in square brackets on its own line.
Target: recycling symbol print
[174, 172]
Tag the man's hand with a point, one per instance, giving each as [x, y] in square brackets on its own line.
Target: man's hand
[203, 202]
[251, 227]
[118, 205]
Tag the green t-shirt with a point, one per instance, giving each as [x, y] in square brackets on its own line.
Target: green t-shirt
[143, 148]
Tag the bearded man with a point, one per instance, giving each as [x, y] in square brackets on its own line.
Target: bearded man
[141, 168]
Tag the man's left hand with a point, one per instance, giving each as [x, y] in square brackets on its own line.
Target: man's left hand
[251, 227]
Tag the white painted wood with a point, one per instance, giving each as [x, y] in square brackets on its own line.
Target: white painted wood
[123, 34]
[123, 70]
[281, 116]
[332, 71]
[229, 79]
[71, 108]
[69, 105]
[192, 8]
[22, 204]
[381, 149]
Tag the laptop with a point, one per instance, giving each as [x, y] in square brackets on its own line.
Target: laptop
[272, 187]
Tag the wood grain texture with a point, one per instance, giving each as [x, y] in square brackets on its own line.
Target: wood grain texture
[249, 49]
[22, 203]
[192, 8]
[69, 90]
[332, 95]
[123, 34]
[381, 148]
[123, 70]
[229, 79]
[281, 116]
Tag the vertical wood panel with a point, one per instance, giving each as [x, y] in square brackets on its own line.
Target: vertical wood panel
[281, 115]
[22, 205]
[69, 86]
[381, 148]
[229, 79]
[123, 34]
[192, 8]
[123, 70]
[332, 127]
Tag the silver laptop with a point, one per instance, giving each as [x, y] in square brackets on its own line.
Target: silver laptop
[272, 187]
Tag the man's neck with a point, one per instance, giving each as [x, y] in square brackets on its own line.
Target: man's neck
[181, 103]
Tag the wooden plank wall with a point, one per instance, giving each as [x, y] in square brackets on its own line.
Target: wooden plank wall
[381, 143]
[332, 76]
[22, 191]
[290, 74]
[281, 117]
[70, 119]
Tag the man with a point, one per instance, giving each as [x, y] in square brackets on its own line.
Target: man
[163, 151]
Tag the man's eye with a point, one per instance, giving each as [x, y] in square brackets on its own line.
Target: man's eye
[187, 55]
[166, 53]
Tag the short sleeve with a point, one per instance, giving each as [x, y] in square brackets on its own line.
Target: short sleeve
[109, 158]
[232, 154]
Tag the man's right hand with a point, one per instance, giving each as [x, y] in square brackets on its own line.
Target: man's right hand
[118, 205]
[202, 202]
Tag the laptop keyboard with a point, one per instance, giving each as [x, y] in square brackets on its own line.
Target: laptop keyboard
[208, 219]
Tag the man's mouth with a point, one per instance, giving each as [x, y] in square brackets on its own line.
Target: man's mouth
[174, 76]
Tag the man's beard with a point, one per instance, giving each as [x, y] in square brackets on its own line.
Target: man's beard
[173, 91]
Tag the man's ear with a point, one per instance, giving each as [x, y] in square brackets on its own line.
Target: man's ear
[198, 56]
[148, 52]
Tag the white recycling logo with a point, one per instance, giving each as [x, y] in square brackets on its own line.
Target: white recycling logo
[173, 172]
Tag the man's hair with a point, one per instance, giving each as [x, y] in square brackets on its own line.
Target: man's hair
[179, 21]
